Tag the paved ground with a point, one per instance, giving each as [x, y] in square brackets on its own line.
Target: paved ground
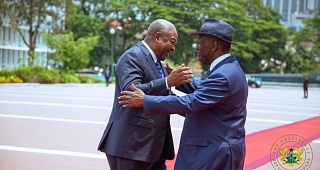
[59, 126]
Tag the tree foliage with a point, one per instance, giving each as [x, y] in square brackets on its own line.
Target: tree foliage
[263, 40]
[3, 8]
[33, 14]
[71, 55]
[83, 25]
[306, 44]
[258, 31]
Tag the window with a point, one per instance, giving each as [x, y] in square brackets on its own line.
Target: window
[2, 33]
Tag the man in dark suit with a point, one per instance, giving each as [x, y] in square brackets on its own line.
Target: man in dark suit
[133, 140]
[107, 75]
[305, 87]
[213, 136]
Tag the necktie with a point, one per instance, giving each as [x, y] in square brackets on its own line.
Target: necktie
[158, 64]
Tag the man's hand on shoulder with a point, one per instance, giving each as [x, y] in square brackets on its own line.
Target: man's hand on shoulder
[132, 98]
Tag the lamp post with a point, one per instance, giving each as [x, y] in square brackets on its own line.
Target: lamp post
[48, 42]
[112, 31]
[48, 20]
[194, 45]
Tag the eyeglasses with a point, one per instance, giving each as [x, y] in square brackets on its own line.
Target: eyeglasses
[172, 42]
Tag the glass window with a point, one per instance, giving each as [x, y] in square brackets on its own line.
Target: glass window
[5, 58]
[1, 58]
[4, 36]
[9, 36]
[1, 35]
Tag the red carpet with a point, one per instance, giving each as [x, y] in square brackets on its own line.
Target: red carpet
[260, 143]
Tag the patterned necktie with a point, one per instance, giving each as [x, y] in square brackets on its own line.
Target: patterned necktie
[158, 64]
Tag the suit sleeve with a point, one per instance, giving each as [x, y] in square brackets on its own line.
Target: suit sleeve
[210, 92]
[132, 68]
[189, 87]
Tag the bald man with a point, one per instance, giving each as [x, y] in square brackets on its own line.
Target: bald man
[133, 140]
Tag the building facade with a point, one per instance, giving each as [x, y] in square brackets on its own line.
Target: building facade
[294, 11]
[14, 51]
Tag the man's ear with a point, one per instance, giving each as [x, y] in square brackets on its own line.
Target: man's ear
[157, 37]
[215, 45]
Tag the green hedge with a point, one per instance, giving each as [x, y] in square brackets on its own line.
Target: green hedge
[42, 75]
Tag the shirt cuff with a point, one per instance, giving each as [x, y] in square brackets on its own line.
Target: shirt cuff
[167, 84]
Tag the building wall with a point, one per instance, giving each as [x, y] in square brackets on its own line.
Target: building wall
[294, 11]
[14, 52]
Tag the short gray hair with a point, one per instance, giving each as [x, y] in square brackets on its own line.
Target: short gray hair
[159, 25]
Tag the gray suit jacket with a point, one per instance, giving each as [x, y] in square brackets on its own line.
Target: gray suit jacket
[213, 136]
[130, 133]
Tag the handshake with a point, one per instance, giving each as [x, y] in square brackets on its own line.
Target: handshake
[179, 75]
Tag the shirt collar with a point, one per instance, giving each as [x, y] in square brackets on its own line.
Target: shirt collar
[218, 60]
[151, 52]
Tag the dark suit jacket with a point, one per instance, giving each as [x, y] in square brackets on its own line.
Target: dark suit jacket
[130, 133]
[213, 136]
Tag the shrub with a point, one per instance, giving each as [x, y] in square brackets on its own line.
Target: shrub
[95, 80]
[14, 79]
[6, 73]
[83, 79]
[68, 78]
[2, 79]
[43, 78]
[28, 74]
[39, 74]
[11, 79]
[88, 79]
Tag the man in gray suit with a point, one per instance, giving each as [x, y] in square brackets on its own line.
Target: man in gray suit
[133, 140]
[213, 136]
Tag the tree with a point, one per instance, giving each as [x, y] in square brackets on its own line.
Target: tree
[3, 8]
[265, 38]
[132, 22]
[185, 16]
[85, 25]
[33, 14]
[94, 17]
[71, 55]
[307, 45]
[258, 31]
[257, 28]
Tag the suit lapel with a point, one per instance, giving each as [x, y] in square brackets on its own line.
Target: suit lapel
[150, 59]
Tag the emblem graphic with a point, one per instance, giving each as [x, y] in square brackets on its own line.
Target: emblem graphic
[292, 157]
[291, 152]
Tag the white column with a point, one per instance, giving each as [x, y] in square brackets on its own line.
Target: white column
[5, 58]
[281, 8]
[1, 62]
[289, 11]
[10, 59]
[264, 2]
[272, 3]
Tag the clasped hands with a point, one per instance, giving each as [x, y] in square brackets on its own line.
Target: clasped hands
[176, 77]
